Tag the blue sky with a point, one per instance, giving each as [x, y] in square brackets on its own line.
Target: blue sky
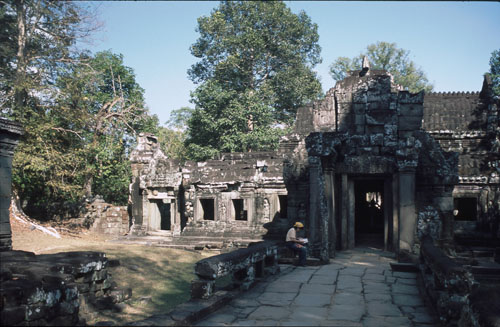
[451, 41]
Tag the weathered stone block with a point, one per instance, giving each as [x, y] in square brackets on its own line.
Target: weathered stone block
[359, 119]
[359, 108]
[12, 316]
[411, 110]
[202, 288]
[409, 123]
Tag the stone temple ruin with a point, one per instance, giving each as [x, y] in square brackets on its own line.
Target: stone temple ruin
[361, 165]
[416, 174]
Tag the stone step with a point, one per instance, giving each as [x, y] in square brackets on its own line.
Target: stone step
[404, 267]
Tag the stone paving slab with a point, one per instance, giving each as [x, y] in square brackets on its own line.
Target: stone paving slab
[308, 315]
[313, 300]
[357, 289]
[270, 313]
[384, 309]
[348, 298]
[284, 287]
[346, 312]
[317, 289]
[386, 321]
[405, 289]
[276, 299]
[341, 323]
[322, 279]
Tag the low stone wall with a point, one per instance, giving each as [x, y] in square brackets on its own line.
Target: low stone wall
[459, 299]
[105, 218]
[53, 289]
[245, 265]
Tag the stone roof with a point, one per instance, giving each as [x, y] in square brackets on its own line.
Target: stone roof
[453, 111]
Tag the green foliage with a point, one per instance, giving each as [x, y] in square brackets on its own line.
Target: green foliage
[495, 71]
[104, 106]
[179, 118]
[387, 56]
[255, 72]
[80, 112]
[172, 143]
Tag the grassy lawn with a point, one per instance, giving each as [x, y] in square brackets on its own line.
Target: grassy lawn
[159, 277]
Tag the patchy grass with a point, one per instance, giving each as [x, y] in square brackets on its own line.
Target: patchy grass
[159, 277]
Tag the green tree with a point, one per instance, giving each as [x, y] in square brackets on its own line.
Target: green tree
[179, 118]
[495, 71]
[38, 38]
[101, 102]
[387, 56]
[172, 138]
[255, 71]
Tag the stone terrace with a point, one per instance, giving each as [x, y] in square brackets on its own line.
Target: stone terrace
[357, 288]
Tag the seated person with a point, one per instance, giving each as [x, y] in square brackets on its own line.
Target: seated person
[296, 244]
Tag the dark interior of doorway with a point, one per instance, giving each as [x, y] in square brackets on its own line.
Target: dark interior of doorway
[164, 208]
[369, 212]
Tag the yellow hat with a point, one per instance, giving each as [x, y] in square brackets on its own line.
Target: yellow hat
[299, 225]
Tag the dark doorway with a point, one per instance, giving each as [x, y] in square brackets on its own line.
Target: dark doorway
[466, 209]
[369, 212]
[163, 211]
[208, 208]
[283, 206]
[239, 211]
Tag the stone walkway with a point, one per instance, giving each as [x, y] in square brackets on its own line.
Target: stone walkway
[357, 288]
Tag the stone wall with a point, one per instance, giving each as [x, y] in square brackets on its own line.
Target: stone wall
[105, 218]
[469, 124]
[60, 289]
[9, 135]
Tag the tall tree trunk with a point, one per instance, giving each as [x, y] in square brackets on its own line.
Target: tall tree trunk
[89, 179]
[20, 92]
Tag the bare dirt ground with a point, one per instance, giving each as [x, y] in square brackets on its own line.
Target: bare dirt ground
[159, 277]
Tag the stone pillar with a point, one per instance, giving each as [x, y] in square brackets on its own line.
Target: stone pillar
[395, 212]
[344, 212]
[387, 214]
[314, 199]
[9, 136]
[407, 210]
[330, 198]
[351, 220]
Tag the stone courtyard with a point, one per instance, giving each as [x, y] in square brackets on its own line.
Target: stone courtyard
[357, 288]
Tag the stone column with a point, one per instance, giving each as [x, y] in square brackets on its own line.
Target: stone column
[395, 213]
[351, 220]
[9, 136]
[314, 199]
[407, 210]
[387, 214]
[344, 212]
[330, 198]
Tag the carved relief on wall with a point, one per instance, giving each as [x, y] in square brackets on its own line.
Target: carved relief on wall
[267, 211]
[222, 210]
